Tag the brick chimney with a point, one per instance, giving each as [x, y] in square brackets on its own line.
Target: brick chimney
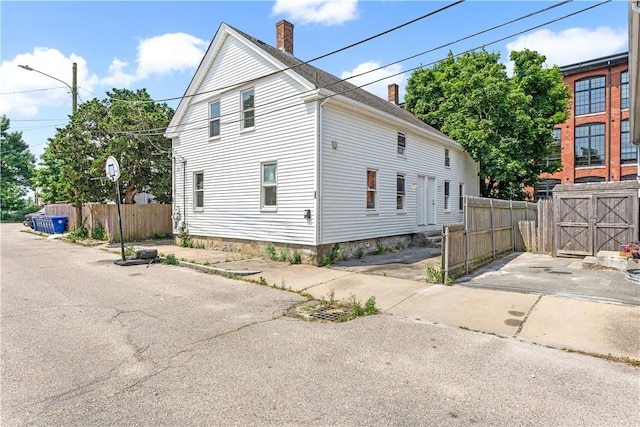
[392, 93]
[284, 36]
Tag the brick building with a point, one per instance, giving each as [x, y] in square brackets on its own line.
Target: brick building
[594, 142]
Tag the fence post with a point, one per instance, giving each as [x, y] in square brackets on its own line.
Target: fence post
[466, 234]
[513, 231]
[445, 263]
[493, 231]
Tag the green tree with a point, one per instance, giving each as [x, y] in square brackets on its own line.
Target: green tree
[16, 168]
[127, 125]
[505, 123]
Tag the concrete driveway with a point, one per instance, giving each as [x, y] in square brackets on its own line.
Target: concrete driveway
[545, 275]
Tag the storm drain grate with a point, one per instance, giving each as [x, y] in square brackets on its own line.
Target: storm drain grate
[330, 314]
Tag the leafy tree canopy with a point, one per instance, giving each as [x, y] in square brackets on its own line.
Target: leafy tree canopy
[505, 123]
[127, 125]
[16, 168]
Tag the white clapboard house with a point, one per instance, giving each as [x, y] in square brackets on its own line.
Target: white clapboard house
[269, 150]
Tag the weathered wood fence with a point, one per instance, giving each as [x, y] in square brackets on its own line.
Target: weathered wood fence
[491, 228]
[139, 222]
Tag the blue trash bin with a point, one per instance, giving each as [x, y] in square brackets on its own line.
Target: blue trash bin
[34, 222]
[58, 224]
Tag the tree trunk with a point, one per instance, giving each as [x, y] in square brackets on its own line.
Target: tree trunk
[78, 221]
[130, 193]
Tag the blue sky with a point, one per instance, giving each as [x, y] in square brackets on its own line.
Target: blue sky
[157, 45]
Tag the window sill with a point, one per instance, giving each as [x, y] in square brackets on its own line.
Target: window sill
[401, 212]
[590, 167]
[372, 212]
[214, 138]
[247, 130]
[197, 210]
[597, 113]
[268, 209]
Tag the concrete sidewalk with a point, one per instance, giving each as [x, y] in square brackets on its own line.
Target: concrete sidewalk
[562, 322]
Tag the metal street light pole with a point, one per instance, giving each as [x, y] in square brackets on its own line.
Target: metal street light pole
[74, 82]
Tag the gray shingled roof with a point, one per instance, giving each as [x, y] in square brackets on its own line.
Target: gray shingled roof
[322, 79]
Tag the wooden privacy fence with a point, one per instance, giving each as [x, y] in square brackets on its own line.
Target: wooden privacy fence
[491, 228]
[139, 222]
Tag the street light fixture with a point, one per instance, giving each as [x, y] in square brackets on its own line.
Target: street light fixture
[74, 88]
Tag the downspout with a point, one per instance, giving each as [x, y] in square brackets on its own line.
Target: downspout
[608, 107]
[319, 171]
[184, 190]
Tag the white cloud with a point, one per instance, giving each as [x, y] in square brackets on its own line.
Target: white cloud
[170, 52]
[574, 44]
[327, 12]
[383, 78]
[158, 55]
[24, 92]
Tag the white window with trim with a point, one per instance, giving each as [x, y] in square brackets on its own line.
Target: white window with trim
[400, 192]
[447, 158]
[461, 197]
[269, 188]
[447, 193]
[402, 143]
[214, 119]
[372, 188]
[198, 191]
[248, 109]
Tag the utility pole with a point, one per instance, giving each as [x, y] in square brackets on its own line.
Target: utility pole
[74, 89]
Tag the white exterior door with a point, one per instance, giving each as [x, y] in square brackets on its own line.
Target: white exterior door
[422, 201]
[431, 201]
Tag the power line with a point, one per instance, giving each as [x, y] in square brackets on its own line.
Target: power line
[545, 9]
[32, 90]
[318, 57]
[389, 76]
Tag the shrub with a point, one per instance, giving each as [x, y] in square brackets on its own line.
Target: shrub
[184, 236]
[98, 232]
[271, 252]
[170, 259]
[295, 258]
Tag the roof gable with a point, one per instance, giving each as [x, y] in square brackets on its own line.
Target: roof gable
[309, 76]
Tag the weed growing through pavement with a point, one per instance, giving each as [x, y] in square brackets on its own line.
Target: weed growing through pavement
[434, 275]
[170, 259]
[271, 252]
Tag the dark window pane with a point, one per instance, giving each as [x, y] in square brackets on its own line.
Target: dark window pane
[400, 184]
[589, 144]
[628, 151]
[248, 119]
[270, 196]
[214, 128]
[624, 89]
[589, 95]
[371, 200]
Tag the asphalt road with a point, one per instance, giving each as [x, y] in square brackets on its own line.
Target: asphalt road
[86, 342]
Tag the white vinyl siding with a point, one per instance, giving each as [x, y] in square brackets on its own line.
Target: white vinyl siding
[286, 132]
[364, 143]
